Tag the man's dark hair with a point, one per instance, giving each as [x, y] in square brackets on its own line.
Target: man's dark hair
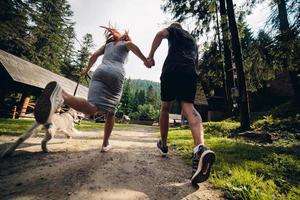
[176, 24]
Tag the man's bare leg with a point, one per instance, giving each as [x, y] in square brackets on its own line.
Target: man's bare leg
[203, 158]
[195, 122]
[164, 121]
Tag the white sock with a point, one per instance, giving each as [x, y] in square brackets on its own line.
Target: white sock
[197, 147]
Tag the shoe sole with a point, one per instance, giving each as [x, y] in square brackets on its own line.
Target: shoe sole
[206, 161]
[43, 106]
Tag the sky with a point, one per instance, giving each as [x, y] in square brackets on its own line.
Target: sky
[143, 19]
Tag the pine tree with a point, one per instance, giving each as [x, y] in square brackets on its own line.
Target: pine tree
[141, 97]
[51, 33]
[151, 97]
[125, 103]
[14, 34]
[73, 71]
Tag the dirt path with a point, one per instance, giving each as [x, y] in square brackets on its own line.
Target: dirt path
[75, 169]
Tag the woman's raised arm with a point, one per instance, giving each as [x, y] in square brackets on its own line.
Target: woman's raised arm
[136, 50]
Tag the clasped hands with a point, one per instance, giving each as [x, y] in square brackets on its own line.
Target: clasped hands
[149, 62]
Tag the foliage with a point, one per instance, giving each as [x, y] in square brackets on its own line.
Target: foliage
[139, 84]
[286, 127]
[246, 171]
[145, 112]
[73, 71]
[211, 69]
[42, 32]
[51, 31]
[152, 97]
[259, 59]
[137, 93]
[125, 105]
[14, 28]
[202, 13]
[223, 128]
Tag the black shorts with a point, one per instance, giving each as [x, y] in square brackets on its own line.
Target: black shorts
[181, 87]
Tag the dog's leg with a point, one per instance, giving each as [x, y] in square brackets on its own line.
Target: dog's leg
[21, 139]
[67, 134]
[48, 136]
[75, 131]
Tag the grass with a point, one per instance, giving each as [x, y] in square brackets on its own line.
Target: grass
[243, 170]
[16, 127]
[288, 128]
[283, 120]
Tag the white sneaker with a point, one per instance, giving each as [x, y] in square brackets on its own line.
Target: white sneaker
[106, 149]
[48, 102]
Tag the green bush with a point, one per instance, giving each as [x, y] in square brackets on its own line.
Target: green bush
[222, 128]
[145, 112]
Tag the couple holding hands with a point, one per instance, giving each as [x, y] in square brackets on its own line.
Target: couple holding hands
[178, 82]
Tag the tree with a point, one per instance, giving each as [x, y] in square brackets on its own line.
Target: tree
[152, 97]
[285, 38]
[145, 112]
[73, 71]
[51, 32]
[14, 34]
[235, 40]
[229, 82]
[288, 38]
[210, 74]
[141, 99]
[125, 103]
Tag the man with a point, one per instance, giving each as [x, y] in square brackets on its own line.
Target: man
[179, 81]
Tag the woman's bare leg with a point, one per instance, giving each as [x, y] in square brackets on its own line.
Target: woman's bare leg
[109, 125]
[79, 104]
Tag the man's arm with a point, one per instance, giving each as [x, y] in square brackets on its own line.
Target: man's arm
[157, 41]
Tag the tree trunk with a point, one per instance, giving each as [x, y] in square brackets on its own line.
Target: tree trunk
[243, 97]
[226, 96]
[285, 37]
[227, 56]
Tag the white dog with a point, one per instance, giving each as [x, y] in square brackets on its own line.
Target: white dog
[63, 123]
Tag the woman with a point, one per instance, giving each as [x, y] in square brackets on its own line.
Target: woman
[105, 89]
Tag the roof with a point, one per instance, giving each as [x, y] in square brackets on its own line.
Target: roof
[28, 73]
[200, 98]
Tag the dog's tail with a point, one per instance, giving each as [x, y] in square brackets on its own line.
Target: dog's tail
[21, 139]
